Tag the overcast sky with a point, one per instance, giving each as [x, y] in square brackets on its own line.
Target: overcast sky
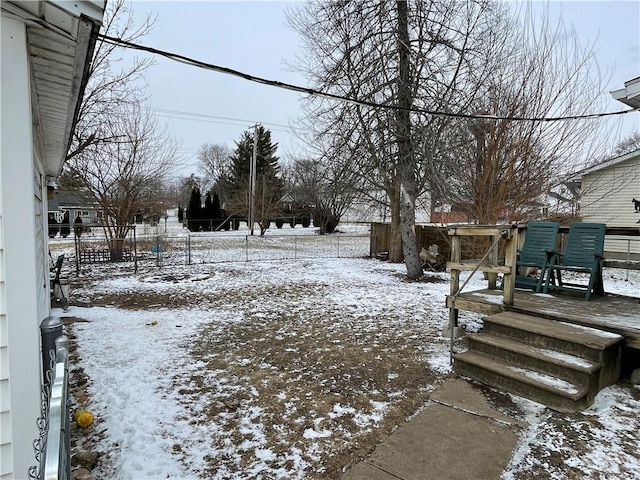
[253, 37]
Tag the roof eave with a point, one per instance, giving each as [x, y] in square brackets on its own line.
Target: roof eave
[630, 94]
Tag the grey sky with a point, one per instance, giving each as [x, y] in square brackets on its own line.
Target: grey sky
[253, 37]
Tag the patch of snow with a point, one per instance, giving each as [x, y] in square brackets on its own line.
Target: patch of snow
[153, 430]
[566, 358]
[593, 331]
[547, 380]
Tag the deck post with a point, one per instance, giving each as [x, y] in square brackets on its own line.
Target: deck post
[493, 260]
[510, 254]
[456, 255]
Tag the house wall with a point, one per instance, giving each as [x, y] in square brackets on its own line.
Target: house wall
[21, 288]
[607, 198]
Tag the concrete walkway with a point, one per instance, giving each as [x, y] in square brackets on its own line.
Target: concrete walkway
[457, 436]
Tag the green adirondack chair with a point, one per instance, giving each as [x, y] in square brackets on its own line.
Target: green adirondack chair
[539, 242]
[583, 253]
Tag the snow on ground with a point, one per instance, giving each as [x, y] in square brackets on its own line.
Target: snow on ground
[295, 369]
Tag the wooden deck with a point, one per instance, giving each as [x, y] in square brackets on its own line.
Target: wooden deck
[613, 313]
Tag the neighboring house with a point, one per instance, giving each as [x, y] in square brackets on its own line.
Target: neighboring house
[76, 205]
[447, 213]
[368, 211]
[630, 94]
[607, 193]
[46, 47]
[562, 201]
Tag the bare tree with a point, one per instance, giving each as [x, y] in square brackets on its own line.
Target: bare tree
[215, 164]
[450, 57]
[112, 83]
[627, 145]
[122, 175]
[402, 54]
[504, 167]
[328, 186]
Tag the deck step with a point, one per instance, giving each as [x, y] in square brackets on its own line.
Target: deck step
[577, 340]
[561, 365]
[558, 394]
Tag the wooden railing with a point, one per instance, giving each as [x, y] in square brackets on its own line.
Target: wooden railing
[514, 239]
[491, 266]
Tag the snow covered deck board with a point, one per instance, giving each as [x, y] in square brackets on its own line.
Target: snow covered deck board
[612, 313]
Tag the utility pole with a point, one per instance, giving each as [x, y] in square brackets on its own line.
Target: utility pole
[252, 177]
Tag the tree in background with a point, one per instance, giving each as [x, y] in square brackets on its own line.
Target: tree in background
[122, 176]
[327, 187]
[194, 210]
[269, 187]
[396, 54]
[504, 167]
[119, 153]
[627, 145]
[456, 58]
[215, 162]
[110, 85]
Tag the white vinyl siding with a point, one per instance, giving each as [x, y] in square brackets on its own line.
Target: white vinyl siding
[41, 253]
[20, 381]
[607, 196]
[5, 394]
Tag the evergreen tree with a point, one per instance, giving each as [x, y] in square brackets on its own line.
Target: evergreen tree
[65, 227]
[208, 214]
[194, 211]
[77, 226]
[180, 214]
[267, 168]
[217, 212]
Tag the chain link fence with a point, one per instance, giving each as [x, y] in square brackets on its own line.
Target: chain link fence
[185, 248]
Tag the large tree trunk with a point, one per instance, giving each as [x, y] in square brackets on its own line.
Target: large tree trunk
[395, 238]
[405, 150]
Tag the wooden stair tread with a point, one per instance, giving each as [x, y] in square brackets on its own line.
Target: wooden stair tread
[561, 359]
[535, 379]
[569, 332]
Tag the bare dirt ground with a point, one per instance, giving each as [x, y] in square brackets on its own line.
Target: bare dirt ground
[302, 375]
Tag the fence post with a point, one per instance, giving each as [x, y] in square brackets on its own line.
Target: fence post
[135, 250]
[188, 249]
[295, 247]
[246, 248]
[628, 257]
[76, 242]
[338, 237]
[157, 250]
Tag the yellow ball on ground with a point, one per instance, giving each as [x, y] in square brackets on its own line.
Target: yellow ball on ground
[84, 418]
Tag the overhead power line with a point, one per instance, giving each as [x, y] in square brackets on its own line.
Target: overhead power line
[318, 93]
[201, 117]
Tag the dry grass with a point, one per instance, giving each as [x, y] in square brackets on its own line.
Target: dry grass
[306, 380]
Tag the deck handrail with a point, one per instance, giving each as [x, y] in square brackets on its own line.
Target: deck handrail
[55, 446]
[497, 233]
[57, 453]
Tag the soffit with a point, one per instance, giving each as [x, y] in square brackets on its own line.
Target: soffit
[60, 38]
